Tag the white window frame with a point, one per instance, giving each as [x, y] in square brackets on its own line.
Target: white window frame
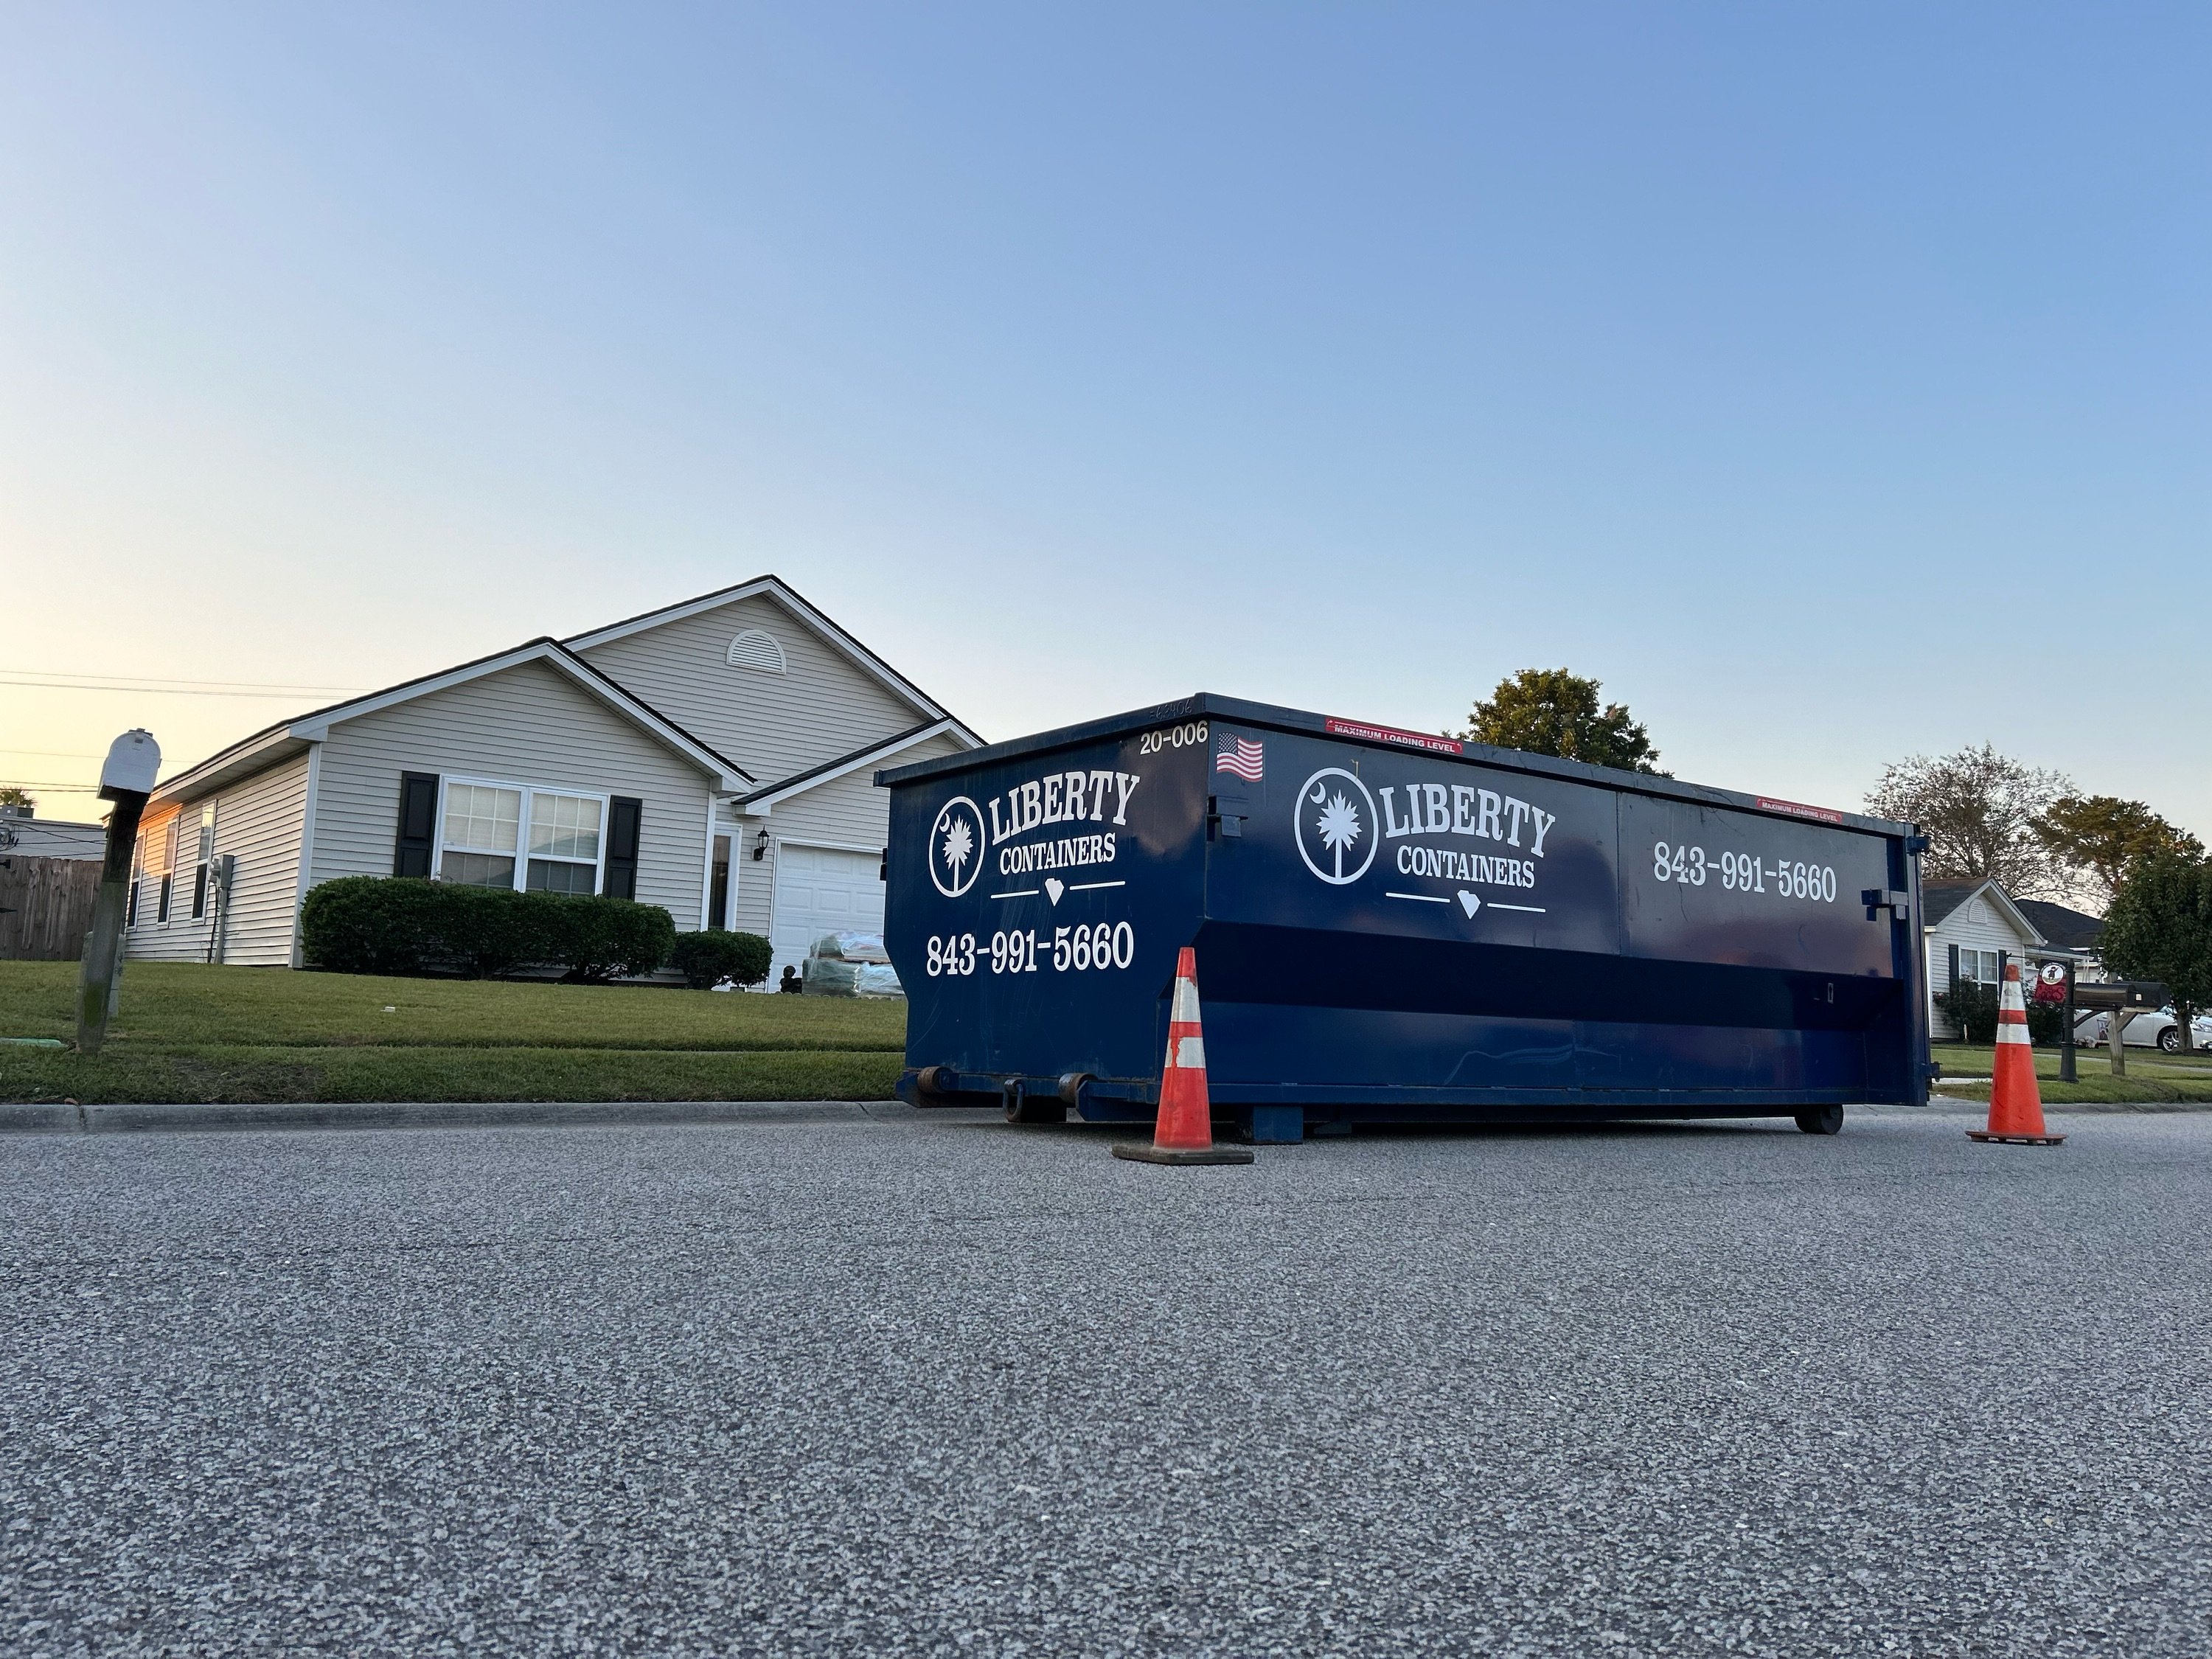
[165, 902]
[203, 834]
[530, 791]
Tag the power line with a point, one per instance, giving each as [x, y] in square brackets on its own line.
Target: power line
[55, 754]
[190, 687]
[33, 783]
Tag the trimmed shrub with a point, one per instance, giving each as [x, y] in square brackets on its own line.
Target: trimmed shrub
[598, 939]
[1972, 1006]
[366, 925]
[403, 925]
[482, 931]
[711, 956]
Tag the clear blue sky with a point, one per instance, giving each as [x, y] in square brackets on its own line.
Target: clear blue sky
[1832, 383]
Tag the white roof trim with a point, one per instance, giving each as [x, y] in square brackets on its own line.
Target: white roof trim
[242, 760]
[2003, 900]
[317, 726]
[775, 588]
[757, 806]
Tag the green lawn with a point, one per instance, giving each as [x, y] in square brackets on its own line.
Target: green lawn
[192, 1033]
[2151, 1076]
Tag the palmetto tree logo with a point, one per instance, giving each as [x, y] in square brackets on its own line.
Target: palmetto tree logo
[1336, 826]
[1339, 825]
[956, 845]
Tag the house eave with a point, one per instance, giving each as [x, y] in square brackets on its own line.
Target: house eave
[728, 777]
[241, 761]
[758, 804]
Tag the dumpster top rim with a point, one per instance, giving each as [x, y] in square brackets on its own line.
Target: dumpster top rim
[1210, 704]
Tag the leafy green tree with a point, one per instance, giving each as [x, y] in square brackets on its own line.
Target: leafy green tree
[2101, 835]
[1549, 711]
[12, 796]
[2159, 927]
[1979, 811]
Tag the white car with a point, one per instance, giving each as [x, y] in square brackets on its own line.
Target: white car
[2159, 1029]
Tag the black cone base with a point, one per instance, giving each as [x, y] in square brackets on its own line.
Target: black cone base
[1984, 1135]
[1145, 1153]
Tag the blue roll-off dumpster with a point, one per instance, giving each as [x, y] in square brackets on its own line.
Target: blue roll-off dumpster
[1391, 927]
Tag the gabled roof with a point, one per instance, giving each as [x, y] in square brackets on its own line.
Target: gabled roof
[288, 737]
[774, 588]
[760, 800]
[1939, 899]
[2062, 924]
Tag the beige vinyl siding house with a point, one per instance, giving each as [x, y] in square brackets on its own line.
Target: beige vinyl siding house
[818, 869]
[258, 822]
[641, 760]
[256, 825]
[774, 722]
[1980, 920]
[523, 727]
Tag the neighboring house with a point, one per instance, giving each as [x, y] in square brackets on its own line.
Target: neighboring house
[713, 757]
[1971, 927]
[2070, 929]
[21, 831]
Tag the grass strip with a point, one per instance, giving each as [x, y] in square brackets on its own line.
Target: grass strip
[175, 1003]
[1958, 1060]
[228, 1074]
[2091, 1091]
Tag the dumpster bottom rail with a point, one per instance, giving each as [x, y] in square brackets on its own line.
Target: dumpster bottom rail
[1134, 1100]
[1094, 1099]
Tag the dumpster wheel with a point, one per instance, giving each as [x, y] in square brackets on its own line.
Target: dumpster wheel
[1822, 1120]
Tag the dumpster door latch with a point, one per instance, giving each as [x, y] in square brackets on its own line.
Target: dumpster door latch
[1879, 899]
[1224, 820]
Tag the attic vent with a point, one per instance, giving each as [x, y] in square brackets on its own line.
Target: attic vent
[755, 648]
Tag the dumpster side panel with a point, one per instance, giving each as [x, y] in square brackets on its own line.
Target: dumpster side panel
[1036, 905]
[1702, 883]
[1418, 931]
[1393, 933]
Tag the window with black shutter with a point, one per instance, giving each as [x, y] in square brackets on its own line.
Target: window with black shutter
[625, 818]
[418, 823]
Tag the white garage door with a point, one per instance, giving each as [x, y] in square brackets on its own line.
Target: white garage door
[820, 891]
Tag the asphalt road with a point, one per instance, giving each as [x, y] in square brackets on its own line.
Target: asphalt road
[859, 1387]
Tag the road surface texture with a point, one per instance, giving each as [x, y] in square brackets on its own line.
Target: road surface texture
[901, 1385]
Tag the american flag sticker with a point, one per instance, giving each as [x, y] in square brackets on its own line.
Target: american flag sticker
[1242, 756]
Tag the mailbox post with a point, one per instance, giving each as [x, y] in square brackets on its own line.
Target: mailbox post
[2122, 1000]
[134, 760]
[2066, 1070]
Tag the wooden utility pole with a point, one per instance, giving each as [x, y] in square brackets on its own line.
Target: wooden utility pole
[134, 760]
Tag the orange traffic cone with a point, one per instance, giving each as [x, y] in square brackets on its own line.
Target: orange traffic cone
[1183, 1133]
[2016, 1103]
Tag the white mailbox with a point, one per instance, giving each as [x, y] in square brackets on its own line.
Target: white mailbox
[134, 761]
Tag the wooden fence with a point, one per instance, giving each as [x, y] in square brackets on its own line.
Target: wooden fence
[46, 906]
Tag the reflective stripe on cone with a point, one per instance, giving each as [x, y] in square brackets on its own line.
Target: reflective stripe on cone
[1183, 1132]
